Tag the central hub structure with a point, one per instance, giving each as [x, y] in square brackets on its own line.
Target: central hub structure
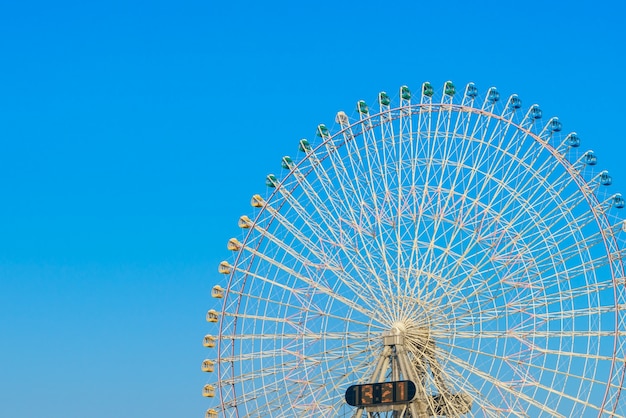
[400, 379]
[396, 335]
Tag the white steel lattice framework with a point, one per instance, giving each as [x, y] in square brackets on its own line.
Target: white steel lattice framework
[473, 230]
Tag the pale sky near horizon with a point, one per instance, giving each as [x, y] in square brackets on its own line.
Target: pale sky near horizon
[134, 133]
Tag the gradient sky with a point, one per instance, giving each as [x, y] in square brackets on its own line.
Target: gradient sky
[134, 133]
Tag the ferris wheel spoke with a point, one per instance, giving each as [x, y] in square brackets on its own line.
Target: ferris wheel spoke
[340, 272]
[524, 375]
[456, 290]
[320, 219]
[485, 258]
[311, 270]
[491, 289]
[315, 336]
[528, 334]
[553, 221]
[298, 359]
[315, 259]
[266, 399]
[538, 340]
[316, 383]
[449, 199]
[302, 238]
[292, 360]
[354, 161]
[544, 256]
[523, 277]
[336, 236]
[325, 209]
[402, 149]
[317, 286]
[429, 196]
[550, 257]
[516, 168]
[340, 200]
[287, 321]
[443, 199]
[361, 360]
[416, 211]
[562, 230]
[535, 316]
[552, 279]
[503, 387]
[294, 376]
[298, 310]
[457, 380]
[348, 181]
[380, 195]
[562, 296]
[439, 215]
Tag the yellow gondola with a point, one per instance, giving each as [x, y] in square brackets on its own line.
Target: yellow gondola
[257, 201]
[212, 316]
[208, 341]
[217, 292]
[224, 268]
[208, 391]
[245, 222]
[208, 366]
[233, 244]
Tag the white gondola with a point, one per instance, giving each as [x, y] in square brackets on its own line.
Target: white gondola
[343, 119]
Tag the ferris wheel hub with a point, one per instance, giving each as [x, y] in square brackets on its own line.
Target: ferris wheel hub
[398, 328]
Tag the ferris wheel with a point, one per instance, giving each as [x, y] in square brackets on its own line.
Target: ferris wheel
[459, 256]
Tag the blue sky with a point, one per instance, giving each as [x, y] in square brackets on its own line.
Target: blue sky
[134, 133]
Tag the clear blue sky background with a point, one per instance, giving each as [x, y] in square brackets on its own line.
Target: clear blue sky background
[134, 133]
